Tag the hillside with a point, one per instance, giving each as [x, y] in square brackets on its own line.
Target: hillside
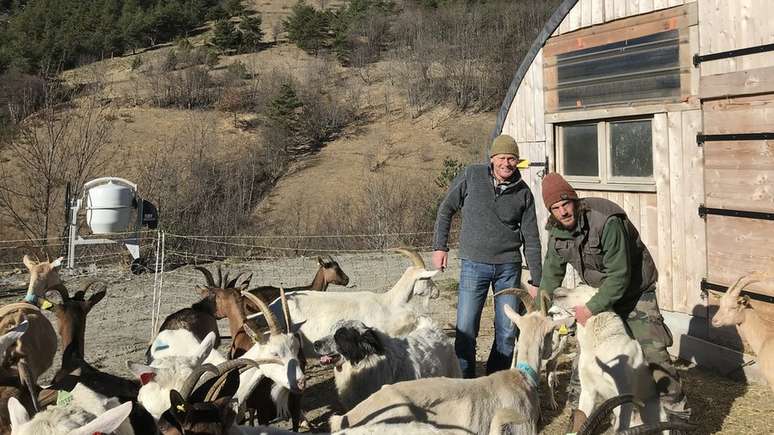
[203, 143]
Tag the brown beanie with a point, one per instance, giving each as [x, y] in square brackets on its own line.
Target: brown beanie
[556, 188]
[504, 144]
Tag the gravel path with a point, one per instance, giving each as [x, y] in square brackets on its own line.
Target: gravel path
[118, 330]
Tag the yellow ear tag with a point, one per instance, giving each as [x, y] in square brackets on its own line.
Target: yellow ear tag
[563, 329]
[63, 398]
[45, 304]
[523, 164]
[180, 407]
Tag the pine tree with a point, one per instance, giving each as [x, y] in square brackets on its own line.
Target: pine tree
[251, 32]
[225, 36]
[284, 110]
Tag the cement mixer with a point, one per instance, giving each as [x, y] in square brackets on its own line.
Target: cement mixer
[113, 206]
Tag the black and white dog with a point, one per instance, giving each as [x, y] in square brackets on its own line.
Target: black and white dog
[365, 358]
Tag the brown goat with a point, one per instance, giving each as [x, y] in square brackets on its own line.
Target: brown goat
[736, 310]
[202, 317]
[328, 273]
[43, 276]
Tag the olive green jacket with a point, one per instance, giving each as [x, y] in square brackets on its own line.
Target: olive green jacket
[606, 250]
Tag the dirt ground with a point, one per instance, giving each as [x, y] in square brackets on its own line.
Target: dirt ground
[118, 330]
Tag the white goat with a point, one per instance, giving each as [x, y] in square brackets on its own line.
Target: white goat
[86, 413]
[736, 310]
[611, 362]
[466, 405]
[315, 312]
[366, 358]
[166, 374]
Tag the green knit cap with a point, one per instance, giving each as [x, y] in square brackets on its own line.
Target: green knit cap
[504, 144]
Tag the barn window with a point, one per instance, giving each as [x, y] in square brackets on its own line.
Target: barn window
[610, 154]
[639, 60]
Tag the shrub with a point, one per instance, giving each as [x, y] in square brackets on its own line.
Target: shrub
[225, 36]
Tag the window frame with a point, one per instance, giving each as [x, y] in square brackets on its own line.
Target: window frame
[605, 180]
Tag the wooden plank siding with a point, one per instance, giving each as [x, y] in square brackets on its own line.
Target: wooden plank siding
[587, 13]
[733, 24]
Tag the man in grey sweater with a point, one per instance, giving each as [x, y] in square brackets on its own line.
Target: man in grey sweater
[498, 216]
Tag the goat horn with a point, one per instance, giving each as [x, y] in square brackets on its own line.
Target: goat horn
[329, 259]
[271, 320]
[224, 283]
[223, 370]
[250, 333]
[545, 302]
[26, 380]
[678, 426]
[232, 283]
[285, 309]
[207, 276]
[523, 295]
[601, 414]
[193, 378]
[95, 282]
[744, 281]
[220, 277]
[411, 255]
[61, 289]
[246, 282]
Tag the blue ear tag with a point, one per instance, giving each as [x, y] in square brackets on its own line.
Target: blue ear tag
[160, 345]
[31, 298]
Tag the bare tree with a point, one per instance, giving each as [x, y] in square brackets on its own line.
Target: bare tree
[58, 144]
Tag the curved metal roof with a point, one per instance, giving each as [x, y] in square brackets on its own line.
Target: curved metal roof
[548, 29]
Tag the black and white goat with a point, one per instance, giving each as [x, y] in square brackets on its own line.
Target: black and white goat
[366, 358]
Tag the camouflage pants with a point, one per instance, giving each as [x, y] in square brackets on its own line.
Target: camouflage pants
[647, 326]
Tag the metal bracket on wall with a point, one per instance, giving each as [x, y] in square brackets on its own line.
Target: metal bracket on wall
[706, 286]
[697, 59]
[734, 137]
[704, 211]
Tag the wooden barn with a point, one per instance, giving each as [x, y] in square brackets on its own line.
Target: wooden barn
[667, 108]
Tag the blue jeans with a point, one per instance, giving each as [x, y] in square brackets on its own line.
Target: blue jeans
[475, 280]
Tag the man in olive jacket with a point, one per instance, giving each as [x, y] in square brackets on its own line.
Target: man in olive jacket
[595, 236]
[498, 217]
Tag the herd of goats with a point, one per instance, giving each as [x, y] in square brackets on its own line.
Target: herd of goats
[395, 369]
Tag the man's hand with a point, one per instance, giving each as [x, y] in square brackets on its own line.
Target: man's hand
[533, 291]
[440, 259]
[582, 314]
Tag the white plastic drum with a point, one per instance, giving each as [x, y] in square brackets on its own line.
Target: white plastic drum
[109, 208]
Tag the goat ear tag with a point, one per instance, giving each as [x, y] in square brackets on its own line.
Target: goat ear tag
[45, 304]
[63, 398]
[180, 407]
[563, 329]
[523, 164]
[146, 377]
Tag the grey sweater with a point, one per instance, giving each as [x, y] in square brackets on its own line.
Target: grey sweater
[495, 222]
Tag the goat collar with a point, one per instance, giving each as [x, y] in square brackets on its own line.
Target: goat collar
[529, 373]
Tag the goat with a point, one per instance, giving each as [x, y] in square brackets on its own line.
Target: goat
[34, 352]
[328, 273]
[85, 413]
[13, 387]
[316, 312]
[365, 358]
[71, 316]
[735, 309]
[278, 394]
[202, 317]
[466, 405]
[43, 276]
[611, 361]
